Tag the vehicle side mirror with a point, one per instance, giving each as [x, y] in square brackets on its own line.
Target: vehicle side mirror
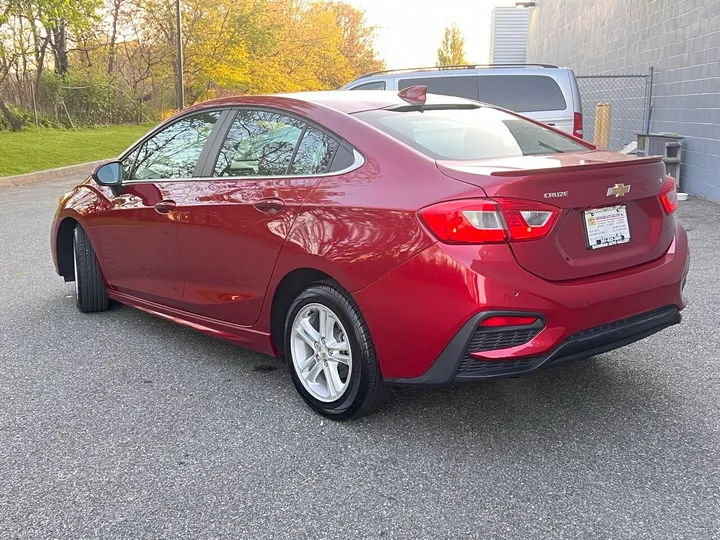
[108, 174]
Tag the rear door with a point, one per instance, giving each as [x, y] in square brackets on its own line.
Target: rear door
[542, 97]
[235, 219]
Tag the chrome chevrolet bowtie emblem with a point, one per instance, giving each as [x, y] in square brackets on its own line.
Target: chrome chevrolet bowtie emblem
[619, 190]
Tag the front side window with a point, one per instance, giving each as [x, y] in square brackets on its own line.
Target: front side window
[473, 133]
[173, 152]
[375, 85]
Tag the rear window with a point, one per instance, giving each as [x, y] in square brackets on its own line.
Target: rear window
[469, 133]
[522, 93]
[464, 86]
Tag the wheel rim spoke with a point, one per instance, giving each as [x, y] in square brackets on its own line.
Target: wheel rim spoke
[339, 359]
[312, 374]
[332, 379]
[338, 346]
[307, 333]
[307, 363]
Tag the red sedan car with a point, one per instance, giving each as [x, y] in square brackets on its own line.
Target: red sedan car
[374, 238]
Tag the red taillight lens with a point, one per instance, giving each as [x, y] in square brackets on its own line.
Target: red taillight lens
[488, 221]
[668, 195]
[508, 321]
[578, 125]
[470, 221]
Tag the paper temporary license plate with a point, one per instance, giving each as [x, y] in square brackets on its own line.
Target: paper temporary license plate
[606, 226]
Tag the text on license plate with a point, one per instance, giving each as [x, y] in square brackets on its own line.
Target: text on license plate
[606, 226]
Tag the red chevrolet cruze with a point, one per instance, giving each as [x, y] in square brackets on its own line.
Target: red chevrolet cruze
[375, 238]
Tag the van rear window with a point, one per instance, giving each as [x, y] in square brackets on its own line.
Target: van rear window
[464, 86]
[522, 93]
[468, 134]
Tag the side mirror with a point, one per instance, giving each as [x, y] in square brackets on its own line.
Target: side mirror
[108, 174]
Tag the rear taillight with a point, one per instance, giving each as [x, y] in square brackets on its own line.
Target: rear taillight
[489, 221]
[578, 125]
[508, 321]
[668, 195]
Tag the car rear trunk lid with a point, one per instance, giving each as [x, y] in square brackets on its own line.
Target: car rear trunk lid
[576, 183]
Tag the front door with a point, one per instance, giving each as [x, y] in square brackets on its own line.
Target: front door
[234, 223]
[138, 242]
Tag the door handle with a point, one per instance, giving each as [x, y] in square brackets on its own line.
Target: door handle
[269, 205]
[165, 206]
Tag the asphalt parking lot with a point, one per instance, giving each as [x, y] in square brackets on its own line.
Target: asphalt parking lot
[122, 425]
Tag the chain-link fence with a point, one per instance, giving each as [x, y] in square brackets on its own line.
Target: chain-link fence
[630, 96]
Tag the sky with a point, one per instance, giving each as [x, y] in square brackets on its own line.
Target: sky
[410, 31]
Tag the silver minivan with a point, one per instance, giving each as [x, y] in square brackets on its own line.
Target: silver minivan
[546, 93]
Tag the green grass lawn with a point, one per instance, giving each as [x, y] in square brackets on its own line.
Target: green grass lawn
[34, 149]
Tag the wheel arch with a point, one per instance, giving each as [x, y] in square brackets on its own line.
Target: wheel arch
[286, 291]
[64, 248]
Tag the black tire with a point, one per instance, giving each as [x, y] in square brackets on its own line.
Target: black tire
[367, 390]
[90, 292]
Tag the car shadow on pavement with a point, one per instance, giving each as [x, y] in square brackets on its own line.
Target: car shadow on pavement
[604, 400]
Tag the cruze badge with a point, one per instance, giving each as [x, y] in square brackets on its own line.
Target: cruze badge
[556, 194]
[618, 190]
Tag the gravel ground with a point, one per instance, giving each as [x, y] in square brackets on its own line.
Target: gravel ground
[121, 425]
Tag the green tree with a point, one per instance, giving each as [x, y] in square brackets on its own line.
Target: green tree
[452, 50]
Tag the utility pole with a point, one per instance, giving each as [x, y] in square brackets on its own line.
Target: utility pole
[180, 86]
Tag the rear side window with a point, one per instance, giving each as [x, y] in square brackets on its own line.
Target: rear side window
[522, 93]
[375, 85]
[259, 143]
[469, 134]
[465, 86]
[314, 154]
[269, 143]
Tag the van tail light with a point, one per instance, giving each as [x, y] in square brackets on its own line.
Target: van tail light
[578, 125]
[668, 195]
[489, 221]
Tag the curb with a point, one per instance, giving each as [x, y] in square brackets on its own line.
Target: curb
[50, 174]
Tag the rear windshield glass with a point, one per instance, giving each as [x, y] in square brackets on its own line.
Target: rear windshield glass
[522, 93]
[469, 134]
[465, 86]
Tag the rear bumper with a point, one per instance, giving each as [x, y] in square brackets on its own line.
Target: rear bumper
[456, 363]
[427, 305]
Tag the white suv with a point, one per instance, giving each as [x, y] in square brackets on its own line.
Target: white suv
[546, 93]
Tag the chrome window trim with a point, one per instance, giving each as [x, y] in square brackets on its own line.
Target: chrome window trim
[358, 161]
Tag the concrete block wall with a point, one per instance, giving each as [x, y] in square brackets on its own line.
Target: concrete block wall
[679, 38]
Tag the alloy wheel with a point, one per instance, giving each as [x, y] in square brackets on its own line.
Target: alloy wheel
[321, 353]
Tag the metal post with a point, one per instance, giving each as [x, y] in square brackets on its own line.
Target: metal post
[648, 101]
[603, 114]
[180, 85]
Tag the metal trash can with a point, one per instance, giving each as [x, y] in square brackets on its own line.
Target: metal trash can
[667, 145]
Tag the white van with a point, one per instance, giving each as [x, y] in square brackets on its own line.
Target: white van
[543, 92]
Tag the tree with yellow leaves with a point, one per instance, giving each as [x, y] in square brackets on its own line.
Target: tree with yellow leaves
[452, 50]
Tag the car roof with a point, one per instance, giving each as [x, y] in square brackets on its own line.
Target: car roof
[343, 101]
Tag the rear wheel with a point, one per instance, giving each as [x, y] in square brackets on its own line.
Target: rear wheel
[90, 292]
[330, 354]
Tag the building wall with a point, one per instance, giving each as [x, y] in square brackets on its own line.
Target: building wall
[679, 38]
[508, 35]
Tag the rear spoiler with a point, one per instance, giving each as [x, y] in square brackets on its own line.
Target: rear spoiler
[591, 165]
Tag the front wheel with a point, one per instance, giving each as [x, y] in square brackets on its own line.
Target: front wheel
[330, 354]
[90, 292]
